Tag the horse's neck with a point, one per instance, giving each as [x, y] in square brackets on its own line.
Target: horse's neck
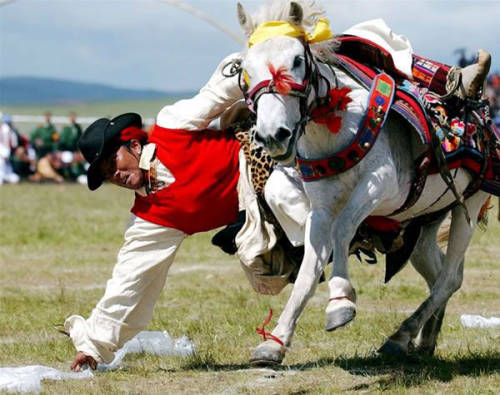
[317, 141]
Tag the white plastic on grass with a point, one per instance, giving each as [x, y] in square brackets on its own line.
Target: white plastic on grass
[151, 342]
[478, 321]
[28, 378]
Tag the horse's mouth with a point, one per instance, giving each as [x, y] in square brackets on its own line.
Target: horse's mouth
[289, 155]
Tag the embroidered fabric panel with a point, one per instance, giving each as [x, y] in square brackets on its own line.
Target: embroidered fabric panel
[458, 134]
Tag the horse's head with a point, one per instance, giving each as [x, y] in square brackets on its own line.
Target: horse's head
[276, 70]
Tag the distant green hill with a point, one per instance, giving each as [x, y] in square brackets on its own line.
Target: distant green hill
[30, 90]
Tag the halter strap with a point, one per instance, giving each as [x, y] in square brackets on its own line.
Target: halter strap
[267, 86]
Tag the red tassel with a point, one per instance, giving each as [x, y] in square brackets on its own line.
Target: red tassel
[334, 123]
[339, 100]
[281, 80]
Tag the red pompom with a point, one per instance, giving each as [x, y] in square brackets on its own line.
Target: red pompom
[339, 100]
[281, 80]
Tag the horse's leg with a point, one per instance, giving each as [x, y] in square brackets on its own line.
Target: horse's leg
[318, 248]
[448, 280]
[427, 258]
[326, 228]
[341, 308]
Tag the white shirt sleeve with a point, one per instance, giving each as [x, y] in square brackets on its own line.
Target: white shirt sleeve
[127, 305]
[196, 113]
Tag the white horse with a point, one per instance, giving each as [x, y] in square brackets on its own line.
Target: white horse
[377, 185]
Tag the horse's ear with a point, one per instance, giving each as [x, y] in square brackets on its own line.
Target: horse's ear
[296, 13]
[245, 21]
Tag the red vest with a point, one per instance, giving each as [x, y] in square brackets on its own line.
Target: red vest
[206, 169]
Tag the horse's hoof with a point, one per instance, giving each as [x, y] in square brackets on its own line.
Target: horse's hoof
[425, 350]
[392, 348]
[268, 353]
[339, 317]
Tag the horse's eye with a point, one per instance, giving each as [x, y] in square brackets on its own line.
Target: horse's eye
[297, 62]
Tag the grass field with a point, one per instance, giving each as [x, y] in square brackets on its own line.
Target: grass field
[57, 248]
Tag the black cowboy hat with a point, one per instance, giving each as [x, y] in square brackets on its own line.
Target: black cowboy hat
[99, 138]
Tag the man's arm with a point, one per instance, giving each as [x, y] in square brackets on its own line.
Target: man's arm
[196, 113]
[127, 305]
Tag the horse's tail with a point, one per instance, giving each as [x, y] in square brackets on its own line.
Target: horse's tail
[482, 220]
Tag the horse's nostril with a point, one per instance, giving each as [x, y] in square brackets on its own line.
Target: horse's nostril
[283, 134]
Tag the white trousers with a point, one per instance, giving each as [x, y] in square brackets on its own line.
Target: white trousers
[145, 258]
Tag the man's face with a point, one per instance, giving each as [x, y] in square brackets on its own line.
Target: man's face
[122, 167]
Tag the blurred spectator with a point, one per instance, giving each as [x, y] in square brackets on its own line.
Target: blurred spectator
[23, 159]
[493, 93]
[44, 138]
[8, 141]
[70, 135]
[48, 167]
[463, 61]
[74, 167]
[22, 156]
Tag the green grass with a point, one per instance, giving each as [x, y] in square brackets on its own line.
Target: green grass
[58, 246]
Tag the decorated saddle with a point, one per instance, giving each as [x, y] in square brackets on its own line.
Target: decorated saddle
[458, 132]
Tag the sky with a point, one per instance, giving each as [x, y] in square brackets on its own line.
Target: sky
[149, 44]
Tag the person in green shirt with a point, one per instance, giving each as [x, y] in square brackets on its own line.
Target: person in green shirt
[70, 135]
[44, 138]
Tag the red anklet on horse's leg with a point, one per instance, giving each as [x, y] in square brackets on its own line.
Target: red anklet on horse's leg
[267, 335]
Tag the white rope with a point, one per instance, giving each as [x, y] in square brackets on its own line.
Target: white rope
[4, 2]
[193, 11]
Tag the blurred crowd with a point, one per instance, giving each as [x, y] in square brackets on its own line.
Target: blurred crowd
[493, 93]
[47, 155]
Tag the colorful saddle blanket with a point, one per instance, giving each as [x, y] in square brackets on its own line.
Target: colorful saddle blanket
[465, 140]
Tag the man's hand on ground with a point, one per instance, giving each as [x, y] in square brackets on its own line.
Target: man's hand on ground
[82, 359]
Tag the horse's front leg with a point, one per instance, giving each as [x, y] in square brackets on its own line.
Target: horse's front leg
[341, 308]
[318, 247]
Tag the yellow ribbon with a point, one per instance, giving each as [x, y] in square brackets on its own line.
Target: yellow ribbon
[271, 29]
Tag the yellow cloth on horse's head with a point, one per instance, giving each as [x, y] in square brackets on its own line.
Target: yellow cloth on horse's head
[272, 29]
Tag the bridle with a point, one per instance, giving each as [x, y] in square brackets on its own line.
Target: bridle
[311, 82]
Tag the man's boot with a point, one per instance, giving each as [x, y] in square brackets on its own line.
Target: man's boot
[467, 82]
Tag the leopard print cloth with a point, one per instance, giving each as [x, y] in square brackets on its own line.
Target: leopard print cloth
[261, 163]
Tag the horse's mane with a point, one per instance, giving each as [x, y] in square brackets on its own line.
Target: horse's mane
[276, 10]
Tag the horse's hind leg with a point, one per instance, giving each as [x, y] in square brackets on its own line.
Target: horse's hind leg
[447, 282]
[427, 258]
